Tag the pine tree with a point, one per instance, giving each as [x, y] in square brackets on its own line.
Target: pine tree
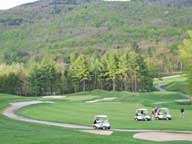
[112, 68]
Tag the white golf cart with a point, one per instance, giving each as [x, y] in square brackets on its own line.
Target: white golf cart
[142, 115]
[101, 122]
[163, 114]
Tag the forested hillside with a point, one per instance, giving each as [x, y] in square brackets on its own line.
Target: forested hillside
[31, 32]
[168, 3]
[115, 45]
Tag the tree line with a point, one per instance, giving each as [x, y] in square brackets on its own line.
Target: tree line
[185, 51]
[113, 70]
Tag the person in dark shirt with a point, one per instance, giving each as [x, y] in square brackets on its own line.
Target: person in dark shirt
[142, 112]
[95, 121]
[182, 110]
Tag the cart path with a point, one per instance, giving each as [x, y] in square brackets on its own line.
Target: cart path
[10, 113]
[159, 87]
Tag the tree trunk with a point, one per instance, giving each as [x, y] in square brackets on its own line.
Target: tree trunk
[190, 99]
[125, 83]
[83, 85]
[95, 80]
[135, 82]
[132, 84]
[51, 89]
[114, 84]
[101, 85]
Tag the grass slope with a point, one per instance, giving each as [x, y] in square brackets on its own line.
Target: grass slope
[177, 84]
[26, 133]
[121, 111]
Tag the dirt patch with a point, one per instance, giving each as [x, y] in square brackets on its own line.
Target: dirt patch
[163, 136]
[98, 132]
[54, 97]
[99, 100]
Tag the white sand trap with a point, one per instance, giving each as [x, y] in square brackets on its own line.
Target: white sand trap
[103, 99]
[163, 136]
[98, 132]
[54, 97]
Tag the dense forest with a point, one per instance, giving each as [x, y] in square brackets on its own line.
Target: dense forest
[185, 51]
[114, 70]
[56, 47]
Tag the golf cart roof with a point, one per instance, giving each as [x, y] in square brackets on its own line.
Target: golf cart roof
[101, 116]
[163, 109]
[141, 109]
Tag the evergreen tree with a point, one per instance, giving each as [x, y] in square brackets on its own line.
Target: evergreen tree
[186, 57]
[79, 69]
[44, 78]
[112, 67]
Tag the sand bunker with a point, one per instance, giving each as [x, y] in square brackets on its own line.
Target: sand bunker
[98, 132]
[163, 136]
[99, 100]
[54, 97]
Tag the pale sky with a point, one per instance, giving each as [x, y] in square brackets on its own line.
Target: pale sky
[6, 4]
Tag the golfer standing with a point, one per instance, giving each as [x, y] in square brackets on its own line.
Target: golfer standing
[182, 110]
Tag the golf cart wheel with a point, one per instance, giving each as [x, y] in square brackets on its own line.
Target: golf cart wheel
[147, 119]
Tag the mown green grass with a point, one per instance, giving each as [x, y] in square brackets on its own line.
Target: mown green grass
[17, 132]
[176, 84]
[121, 111]
[180, 86]
[170, 80]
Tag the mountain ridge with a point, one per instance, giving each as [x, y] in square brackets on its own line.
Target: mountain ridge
[31, 33]
[168, 3]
